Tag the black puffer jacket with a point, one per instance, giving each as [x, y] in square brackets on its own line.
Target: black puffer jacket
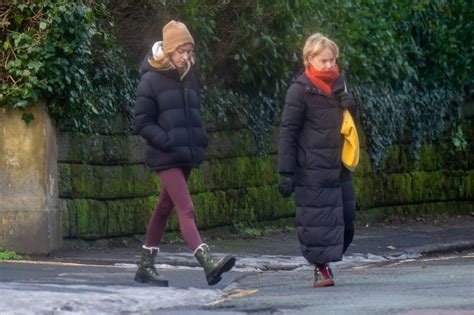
[309, 149]
[167, 116]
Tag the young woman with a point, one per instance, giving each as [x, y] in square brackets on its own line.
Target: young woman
[167, 116]
[309, 158]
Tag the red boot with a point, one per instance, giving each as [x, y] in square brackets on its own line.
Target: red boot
[322, 276]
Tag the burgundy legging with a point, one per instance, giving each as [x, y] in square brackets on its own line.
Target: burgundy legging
[175, 193]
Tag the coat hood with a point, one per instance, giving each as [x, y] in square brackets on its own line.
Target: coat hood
[145, 65]
[172, 73]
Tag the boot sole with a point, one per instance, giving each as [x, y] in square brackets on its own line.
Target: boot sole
[159, 283]
[227, 265]
[324, 283]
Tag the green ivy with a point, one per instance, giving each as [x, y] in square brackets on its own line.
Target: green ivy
[247, 53]
[410, 64]
[62, 52]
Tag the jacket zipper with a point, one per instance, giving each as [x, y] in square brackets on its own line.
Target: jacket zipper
[188, 122]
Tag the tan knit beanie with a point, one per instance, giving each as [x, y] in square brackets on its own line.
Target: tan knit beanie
[175, 34]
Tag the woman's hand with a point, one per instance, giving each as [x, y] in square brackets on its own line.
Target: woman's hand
[286, 186]
[345, 100]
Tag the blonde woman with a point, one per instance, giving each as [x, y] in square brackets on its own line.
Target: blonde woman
[167, 116]
[309, 158]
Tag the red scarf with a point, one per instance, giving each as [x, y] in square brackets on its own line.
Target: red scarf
[323, 79]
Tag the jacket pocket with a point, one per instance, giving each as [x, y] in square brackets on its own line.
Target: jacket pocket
[162, 142]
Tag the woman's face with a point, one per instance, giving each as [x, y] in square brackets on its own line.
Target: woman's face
[325, 60]
[182, 55]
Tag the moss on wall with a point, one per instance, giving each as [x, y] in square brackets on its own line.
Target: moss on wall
[237, 142]
[104, 181]
[246, 205]
[100, 149]
[235, 172]
[431, 208]
[412, 188]
[111, 193]
[399, 159]
[92, 219]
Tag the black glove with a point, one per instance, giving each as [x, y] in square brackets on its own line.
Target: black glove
[286, 186]
[345, 100]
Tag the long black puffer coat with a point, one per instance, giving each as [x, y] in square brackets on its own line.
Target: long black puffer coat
[167, 116]
[309, 149]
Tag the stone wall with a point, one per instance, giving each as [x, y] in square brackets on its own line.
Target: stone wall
[441, 181]
[107, 191]
[30, 221]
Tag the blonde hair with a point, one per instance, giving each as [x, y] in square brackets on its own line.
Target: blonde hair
[315, 44]
[161, 60]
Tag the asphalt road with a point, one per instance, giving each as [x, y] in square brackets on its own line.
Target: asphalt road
[425, 285]
[58, 288]
[271, 277]
[428, 285]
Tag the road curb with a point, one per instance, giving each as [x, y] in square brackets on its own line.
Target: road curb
[441, 248]
[187, 260]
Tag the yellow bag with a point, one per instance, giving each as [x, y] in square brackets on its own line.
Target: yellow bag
[350, 147]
